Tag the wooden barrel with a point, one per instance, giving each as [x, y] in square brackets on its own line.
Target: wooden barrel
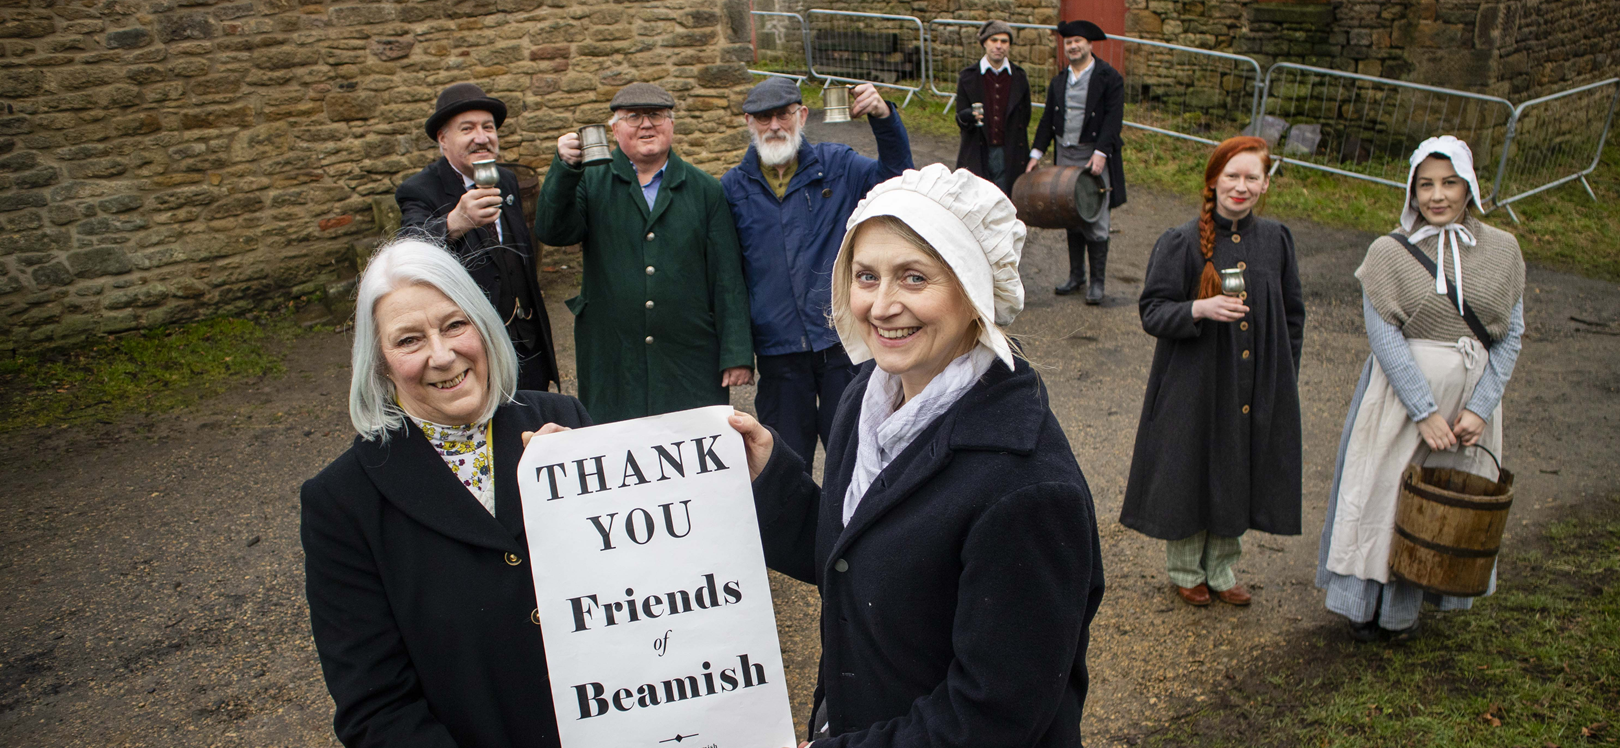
[1448, 529]
[1045, 197]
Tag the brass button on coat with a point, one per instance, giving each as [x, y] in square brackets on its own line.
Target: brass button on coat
[841, 565]
[1245, 354]
[512, 559]
[1245, 409]
[1243, 295]
[650, 270]
[649, 304]
[650, 236]
[1237, 239]
[534, 615]
[1243, 325]
[649, 340]
[1242, 265]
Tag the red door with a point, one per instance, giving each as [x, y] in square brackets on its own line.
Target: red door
[1109, 14]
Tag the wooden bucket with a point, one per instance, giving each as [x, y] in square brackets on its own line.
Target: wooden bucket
[1448, 528]
[1049, 197]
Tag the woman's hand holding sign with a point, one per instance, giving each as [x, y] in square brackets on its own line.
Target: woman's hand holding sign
[757, 441]
[550, 428]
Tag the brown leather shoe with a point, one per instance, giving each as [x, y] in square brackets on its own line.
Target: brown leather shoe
[1235, 595]
[1195, 596]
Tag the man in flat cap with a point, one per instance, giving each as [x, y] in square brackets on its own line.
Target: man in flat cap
[1085, 111]
[995, 133]
[661, 319]
[790, 199]
[483, 226]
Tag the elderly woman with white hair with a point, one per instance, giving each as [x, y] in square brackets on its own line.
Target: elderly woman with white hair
[422, 607]
[953, 540]
[1443, 301]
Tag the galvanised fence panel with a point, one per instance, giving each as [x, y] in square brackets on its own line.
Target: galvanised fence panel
[1186, 92]
[781, 45]
[1365, 127]
[1554, 140]
[879, 48]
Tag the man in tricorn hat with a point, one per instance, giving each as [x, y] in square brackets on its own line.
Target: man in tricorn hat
[791, 198]
[483, 226]
[661, 319]
[995, 137]
[1085, 111]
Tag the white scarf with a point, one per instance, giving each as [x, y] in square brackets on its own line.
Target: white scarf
[884, 432]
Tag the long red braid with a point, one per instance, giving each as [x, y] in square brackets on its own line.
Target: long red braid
[1209, 282]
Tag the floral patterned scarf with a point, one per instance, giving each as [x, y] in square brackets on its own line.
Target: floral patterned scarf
[466, 450]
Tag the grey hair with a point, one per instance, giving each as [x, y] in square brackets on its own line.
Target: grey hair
[403, 262]
[618, 114]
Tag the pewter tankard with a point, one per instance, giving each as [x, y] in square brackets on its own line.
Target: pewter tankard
[593, 145]
[836, 102]
[1232, 282]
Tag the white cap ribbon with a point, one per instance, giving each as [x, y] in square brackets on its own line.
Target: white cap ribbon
[1456, 233]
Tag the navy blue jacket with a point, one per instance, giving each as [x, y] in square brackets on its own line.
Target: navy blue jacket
[789, 245]
[957, 604]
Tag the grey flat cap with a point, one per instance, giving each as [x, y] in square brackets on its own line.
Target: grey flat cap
[772, 93]
[641, 96]
[991, 28]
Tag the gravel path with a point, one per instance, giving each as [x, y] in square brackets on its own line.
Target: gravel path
[155, 575]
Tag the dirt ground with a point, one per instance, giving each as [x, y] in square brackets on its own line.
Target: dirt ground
[155, 575]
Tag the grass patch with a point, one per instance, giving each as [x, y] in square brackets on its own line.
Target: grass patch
[150, 372]
[1561, 228]
[1537, 664]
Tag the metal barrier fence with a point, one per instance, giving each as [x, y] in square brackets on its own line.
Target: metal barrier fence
[781, 45]
[1365, 127]
[954, 45]
[1554, 140]
[878, 48]
[1186, 92]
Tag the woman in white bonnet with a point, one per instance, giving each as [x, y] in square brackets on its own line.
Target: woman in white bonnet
[953, 540]
[1444, 341]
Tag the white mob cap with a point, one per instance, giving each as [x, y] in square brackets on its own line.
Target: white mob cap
[971, 223]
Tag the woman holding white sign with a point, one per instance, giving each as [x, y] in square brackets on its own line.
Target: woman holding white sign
[420, 598]
[954, 540]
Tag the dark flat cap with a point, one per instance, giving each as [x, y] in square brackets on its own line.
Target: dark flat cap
[641, 96]
[772, 93]
[1086, 29]
[991, 28]
[462, 97]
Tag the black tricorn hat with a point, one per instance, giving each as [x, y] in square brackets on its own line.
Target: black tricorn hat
[1086, 29]
[462, 97]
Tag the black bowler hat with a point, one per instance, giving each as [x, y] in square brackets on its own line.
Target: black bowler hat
[463, 97]
[1090, 31]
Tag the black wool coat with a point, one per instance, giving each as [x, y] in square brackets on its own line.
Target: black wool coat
[1218, 447]
[956, 605]
[1104, 123]
[973, 154]
[508, 274]
[422, 603]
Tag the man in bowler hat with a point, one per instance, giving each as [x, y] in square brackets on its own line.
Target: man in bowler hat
[995, 137]
[1085, 112]
[483, 226]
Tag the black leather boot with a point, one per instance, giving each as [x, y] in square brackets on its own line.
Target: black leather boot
[1099, 270]
[1077, 265]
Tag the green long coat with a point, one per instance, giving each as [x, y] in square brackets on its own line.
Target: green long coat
[663, 308]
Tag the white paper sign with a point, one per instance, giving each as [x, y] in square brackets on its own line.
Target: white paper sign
[651, 583]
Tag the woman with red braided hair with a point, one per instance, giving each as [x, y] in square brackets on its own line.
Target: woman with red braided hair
[1218, 447]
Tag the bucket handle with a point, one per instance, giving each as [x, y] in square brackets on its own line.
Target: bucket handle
[1487, 451]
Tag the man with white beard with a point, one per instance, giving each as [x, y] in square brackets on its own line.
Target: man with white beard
[790, 200]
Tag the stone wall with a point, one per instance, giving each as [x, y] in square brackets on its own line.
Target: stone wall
[163, 160]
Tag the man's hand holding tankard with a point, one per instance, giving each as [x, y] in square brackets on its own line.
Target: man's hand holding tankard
[867, 101]
[569, 150]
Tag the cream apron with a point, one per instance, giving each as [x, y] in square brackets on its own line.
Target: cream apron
[1385, 440]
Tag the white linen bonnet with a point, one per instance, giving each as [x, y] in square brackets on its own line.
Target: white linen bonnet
[970, 223]
[1462, 159]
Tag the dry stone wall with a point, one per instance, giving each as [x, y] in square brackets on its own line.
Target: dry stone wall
[164, 160]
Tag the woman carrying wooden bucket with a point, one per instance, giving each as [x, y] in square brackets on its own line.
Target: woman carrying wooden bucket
[1443, 302]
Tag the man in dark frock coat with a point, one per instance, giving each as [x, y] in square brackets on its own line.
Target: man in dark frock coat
[484, 227]
[1085, 115]
[995, 139]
